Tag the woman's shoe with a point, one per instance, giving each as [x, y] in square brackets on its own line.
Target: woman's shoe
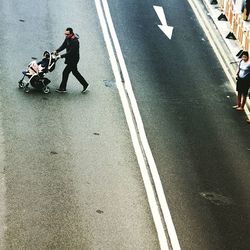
[235, 106]
[239, 109]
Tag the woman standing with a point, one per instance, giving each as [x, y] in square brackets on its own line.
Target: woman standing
[245, 9]
[243, 81]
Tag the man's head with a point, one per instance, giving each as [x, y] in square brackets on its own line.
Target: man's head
[69, 32]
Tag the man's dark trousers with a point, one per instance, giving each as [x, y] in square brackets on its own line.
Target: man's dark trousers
[72, 68]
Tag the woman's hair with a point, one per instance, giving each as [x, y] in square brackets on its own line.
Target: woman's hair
[245, 53]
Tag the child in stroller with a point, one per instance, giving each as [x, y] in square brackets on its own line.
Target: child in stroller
[36, 71]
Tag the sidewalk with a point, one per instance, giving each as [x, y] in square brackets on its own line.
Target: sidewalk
[223, 27]
[233, 46]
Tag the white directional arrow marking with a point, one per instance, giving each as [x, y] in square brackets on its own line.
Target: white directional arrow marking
[167, 30]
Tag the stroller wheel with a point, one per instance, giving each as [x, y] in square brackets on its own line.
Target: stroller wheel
[46, 90]
[26, 89]
[20, 84]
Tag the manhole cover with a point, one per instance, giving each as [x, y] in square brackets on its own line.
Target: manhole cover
[217, 199]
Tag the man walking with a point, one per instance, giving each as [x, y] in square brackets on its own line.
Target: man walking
[71, 44]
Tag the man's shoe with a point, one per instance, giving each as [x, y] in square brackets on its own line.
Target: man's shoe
[61, 90]
[85, 88]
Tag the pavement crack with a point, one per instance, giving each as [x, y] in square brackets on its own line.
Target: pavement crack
[99, 211]
[217, 199]
[53, 153]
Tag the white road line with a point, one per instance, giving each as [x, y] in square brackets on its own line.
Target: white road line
[2, 187]
[213, 40]
[129, 102]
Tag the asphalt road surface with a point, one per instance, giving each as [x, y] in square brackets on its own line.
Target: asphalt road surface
[200, 144]
[69, 175]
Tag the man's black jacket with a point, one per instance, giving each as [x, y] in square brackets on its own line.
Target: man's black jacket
[72, 50]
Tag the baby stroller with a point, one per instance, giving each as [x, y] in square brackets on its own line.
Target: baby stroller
[36, 72]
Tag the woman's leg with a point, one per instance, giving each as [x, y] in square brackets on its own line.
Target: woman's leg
[244, 99]
[239, 103]
[239, 99]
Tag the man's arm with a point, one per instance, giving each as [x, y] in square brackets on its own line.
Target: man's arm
[72, 49]
[62, 47]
